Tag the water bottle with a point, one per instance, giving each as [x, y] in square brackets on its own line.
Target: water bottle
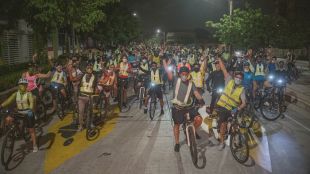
[214, 128]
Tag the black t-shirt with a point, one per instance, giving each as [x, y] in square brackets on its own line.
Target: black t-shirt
[217, 79]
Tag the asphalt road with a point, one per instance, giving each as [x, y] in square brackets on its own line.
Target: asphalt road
[131, 143]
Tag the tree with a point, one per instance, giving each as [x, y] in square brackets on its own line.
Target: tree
[244, 29]
[120, 25]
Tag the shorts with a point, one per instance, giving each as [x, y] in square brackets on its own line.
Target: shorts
[178, 116]
[28, 119]
[123, 81]
[224, 114]
[157, 90]
[259, 78]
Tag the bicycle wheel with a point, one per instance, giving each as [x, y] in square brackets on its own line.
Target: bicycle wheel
[270, 109]
[152, 107]
[141, 97]
[60, 107]
[193, 144]
[47, 97]
[41, 112]
[7, 147]
[239, 147]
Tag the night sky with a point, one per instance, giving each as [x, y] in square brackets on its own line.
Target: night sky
[172, 15]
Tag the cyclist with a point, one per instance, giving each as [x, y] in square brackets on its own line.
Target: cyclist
[156, 57]
[216, 78]
[184, 63]
[198, 78]
[156, 79]
[259, 74]
[184, 92]
[248, 78]
[59, 81]
[25, 105]
[143, 73]
[108, 83]
[232, 100]
[124, 69]
[87, 87]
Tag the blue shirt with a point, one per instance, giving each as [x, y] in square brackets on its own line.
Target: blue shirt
[131, 59]
[272, 67]
[247, 80]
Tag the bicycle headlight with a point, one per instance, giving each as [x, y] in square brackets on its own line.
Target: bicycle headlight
[271, 77]
[280, 81]
[152, 84]
[219, 90]
[169, 68]
[55, 87]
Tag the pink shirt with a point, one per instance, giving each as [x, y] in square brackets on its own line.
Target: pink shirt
[31, 82]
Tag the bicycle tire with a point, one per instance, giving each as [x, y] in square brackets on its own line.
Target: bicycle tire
[141, 97]
[264, 112]
[41, 112]
[152, 108]
[243, 142]
[246, 118]
[7, 144]
[47, 97]
[193, 145]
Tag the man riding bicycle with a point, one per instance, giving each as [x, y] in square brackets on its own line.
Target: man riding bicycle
[87, 87]
[183, 100]
[25, 106]
[156, 82]
[231, 101]
[124, 69]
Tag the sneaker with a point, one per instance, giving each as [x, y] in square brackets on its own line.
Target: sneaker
[221, 146]
[177, 147]
[162, 112]
[35, 149]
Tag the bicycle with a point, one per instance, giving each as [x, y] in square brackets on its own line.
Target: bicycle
[247, 116]
[141, 86]
[272, 105]
[16, 130]
[190, 134]
[92, 132]
[60, 103]
[237, 140]
[120, 93]
[152, 101]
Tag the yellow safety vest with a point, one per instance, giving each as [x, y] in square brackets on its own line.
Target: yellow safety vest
[96, 66]
[156, 59]
[191, 60]
[155, 77]
[87, 87]
[230, 99]
[22, 101]
[58, 77]
[144, 67]
[112, 62]
[110, 81]
[197, 79]
[260, 70]
[123, 69]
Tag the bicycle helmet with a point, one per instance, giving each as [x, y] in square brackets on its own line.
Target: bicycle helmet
[239, 73]
[184, 69]
[22, 81]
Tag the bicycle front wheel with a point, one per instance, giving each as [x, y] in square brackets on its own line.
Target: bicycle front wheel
[239, 147]
[152, 108]
[141, 97]
[7, 147]
[270, 110]
[193, 144]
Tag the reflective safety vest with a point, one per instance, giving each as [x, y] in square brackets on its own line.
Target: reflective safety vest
[96, 66]
[58, 77]
[192, 60]
[144, 67]
[22, 101]
[87, 87]
[230, 98]
[110, 81]
[112, 62]
[156, 59]
[123, 69]
[185, 102]
[197, 79]
[259, 70]
[155, 77]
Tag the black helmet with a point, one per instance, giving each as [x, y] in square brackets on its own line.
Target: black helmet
[184, 69]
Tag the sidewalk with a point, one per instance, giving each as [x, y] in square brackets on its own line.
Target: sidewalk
[299, 91]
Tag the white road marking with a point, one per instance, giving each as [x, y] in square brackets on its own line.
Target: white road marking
[262, 154]
[297, 122]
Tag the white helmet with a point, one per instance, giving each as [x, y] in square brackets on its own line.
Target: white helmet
[23, 81]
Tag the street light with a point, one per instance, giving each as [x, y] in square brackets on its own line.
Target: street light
[134, 14]
[158, 31]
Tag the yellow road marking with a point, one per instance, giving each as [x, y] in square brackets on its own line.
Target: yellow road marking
[59, 153]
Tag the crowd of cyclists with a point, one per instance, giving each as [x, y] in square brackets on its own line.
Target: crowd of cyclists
[189, 71]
